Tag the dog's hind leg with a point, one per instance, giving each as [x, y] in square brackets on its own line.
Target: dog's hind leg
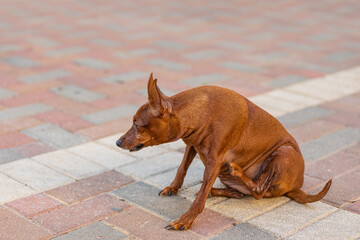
[176, 184]
[226, 192]
[277, 175]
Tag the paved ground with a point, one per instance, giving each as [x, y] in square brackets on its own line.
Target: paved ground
[72, 73]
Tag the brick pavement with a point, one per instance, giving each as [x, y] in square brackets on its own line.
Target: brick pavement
[73, 73]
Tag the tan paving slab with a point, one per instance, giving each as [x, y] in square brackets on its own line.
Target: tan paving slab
[291, 217]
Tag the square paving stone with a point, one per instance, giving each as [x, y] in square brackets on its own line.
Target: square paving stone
[93, 231]
[54, 136]
[77, 93]
[147, 197]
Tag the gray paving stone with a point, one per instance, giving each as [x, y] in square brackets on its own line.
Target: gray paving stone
[105, 42]
[240, 67]
[170, 44]
[304, 116]
[234, 45]
[125, 77]
[144, 92]
[136, 53]
[147, 196]
[93, 231]
[66, 51]
[341, 56]
[11, 189]
[9, 48]
[205, 79]
[111, 114]
[54, 136]
[321, 37]
[193, 176]
[77, 93]
[23, 111]
[44, 42]
[285, 81]
[152, 166]
[19, 61]
[298, 46]
[93, 63]
[340, 225]
[204, 54]
[243, 231]
[329, 143]
[8, 155]
[170, 65]
[5, 94]
[44, 76]
[316, 67]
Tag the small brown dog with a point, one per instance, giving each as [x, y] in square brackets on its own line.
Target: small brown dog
[247, 148]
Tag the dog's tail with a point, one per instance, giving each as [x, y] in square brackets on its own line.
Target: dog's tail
[302, 197]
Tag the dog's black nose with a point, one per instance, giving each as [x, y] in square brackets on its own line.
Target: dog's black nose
[118, 143]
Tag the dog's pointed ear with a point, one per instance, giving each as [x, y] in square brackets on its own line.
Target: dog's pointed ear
[158, 100]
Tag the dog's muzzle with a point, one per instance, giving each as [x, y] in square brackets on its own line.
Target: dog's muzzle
[137, 147]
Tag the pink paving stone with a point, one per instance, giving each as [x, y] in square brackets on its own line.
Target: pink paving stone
[107, 129]
[144, 225]
[354, 207]
[18, 124]
[11, 223]
[27, 99]
[33, 149]
[314, 130]
[355, 150]
[343, 189]
[64, 120]
[14, 139]
[333, 166]
[67, 218]
[349, 119]
[34, 205]
[70, 107]
[210, 222]
[311, 182]
[91, 186]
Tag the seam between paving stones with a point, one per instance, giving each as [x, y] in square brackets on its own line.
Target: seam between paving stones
[314, 220]
[132, 204]
[118, 228]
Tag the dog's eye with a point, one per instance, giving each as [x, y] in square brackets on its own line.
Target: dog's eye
[136, 126]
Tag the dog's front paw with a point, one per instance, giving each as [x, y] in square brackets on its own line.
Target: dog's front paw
[181, 224]
[168, 191]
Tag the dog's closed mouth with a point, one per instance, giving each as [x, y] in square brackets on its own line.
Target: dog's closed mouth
[137, 147]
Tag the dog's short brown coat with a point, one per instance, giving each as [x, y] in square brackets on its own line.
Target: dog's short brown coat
[247, 148]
